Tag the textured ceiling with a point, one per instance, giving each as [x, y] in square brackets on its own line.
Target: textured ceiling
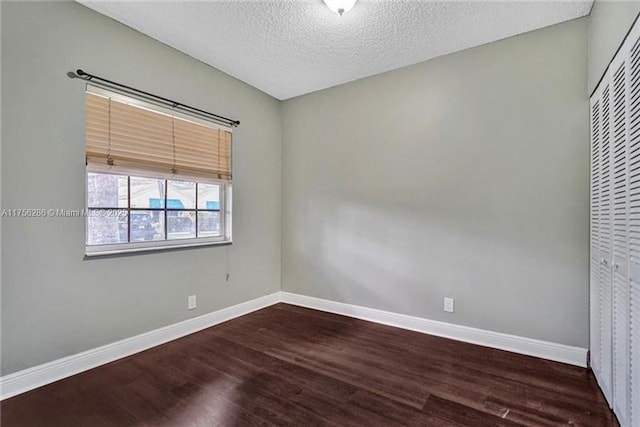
[288, 48]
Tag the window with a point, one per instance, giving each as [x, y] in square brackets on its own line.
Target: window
[155, 178]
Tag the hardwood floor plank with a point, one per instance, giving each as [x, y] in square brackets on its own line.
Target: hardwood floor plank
[291, 366]
[463, 415]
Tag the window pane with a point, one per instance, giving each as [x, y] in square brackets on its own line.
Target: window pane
[147, 225]
[147, 193]
[181, 224]
[106, 191]
[103, 227]
[181, 195]
[208, 224]
[209, 196]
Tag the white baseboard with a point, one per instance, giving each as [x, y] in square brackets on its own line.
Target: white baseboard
[37, 376]
[531, 347]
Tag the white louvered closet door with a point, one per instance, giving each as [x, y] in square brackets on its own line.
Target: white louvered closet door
[606, 226]
[620, 302]
[633, 120]
[615, 232]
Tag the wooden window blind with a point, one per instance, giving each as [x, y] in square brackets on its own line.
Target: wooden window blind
[131, 137]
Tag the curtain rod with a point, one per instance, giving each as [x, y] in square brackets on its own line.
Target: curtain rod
[174, 104]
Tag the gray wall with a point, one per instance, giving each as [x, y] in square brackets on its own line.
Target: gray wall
[609, 22]
[53, 302]
[465, 176]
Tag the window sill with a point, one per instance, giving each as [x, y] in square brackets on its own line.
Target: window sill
[104, 251]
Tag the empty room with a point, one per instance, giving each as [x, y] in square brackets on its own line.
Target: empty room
[320, 213]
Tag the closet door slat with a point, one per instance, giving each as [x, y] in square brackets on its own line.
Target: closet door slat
[618, 124]
[633, 117]
[604, 291]
[594, 301]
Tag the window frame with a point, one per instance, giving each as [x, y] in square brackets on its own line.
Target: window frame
[225, 196]
[166, 243]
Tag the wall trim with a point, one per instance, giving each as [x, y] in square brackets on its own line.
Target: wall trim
[37, 376]
[531, 347]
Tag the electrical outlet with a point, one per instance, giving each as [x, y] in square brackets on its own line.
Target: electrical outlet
[448, 305]
[191, 302]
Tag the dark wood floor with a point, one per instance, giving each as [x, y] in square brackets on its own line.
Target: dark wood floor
[286, 365]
